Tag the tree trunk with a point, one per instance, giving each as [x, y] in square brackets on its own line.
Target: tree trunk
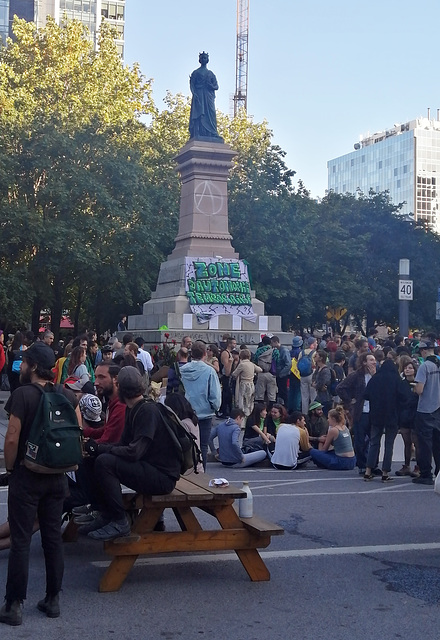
[57, 308]
[35, 318]
[77, 310]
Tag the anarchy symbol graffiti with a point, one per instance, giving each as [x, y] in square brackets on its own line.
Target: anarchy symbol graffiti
[208, 198]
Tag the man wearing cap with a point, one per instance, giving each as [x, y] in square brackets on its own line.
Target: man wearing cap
[428, 413]
[316, 423]
[145, 459]
[32, 494]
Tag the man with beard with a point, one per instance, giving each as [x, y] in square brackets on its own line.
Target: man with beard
[32, 494]
[145, 460]
[81, 491]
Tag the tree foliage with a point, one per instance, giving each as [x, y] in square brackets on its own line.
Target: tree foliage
[89, 200]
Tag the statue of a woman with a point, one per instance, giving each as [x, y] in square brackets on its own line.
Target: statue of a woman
[203, 85]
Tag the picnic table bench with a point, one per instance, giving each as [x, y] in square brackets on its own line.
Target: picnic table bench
[242, 535]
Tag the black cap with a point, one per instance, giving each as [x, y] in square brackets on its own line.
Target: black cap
[41, 354]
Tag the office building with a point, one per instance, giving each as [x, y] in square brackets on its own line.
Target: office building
[404, 160]
[89, 12]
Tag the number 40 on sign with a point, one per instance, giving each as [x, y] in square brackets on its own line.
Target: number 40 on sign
[405, 289]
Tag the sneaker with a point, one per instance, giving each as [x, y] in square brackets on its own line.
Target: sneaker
[404, 471]
[11, 613]
[111, 531]
[415, 473]
[97, 523]
[50, 605]
[86, 517]
[421, 480]
[82, 510]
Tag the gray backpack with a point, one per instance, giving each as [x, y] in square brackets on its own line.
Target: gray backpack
[265, 360]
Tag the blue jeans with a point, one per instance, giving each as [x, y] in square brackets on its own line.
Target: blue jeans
[428, 441]
[361, 433]
[205, 433]
[373, 452]
[329, 460]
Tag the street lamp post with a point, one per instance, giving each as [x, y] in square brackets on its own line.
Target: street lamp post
[405, 295]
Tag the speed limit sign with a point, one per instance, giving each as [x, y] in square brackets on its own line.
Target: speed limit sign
[405, 289]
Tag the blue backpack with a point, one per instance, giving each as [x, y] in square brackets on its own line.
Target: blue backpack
[305, 364]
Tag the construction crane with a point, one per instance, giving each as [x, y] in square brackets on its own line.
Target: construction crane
[241, 60]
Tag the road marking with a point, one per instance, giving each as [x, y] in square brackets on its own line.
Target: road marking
[288, 553]
[337, 493]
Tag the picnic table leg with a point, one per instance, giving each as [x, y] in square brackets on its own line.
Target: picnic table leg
[249, 558]
[116, 573]
[186, 519]
[120, 566]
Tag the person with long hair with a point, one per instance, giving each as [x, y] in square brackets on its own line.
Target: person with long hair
[77, 365]
[341, 457]
[254, 435]
[407, 415]
[276, 417]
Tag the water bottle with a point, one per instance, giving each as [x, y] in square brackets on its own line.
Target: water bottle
[246, 507]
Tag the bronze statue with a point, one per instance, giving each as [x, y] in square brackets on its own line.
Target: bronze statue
[203, 85]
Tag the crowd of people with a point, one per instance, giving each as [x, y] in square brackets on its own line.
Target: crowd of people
[326, 400]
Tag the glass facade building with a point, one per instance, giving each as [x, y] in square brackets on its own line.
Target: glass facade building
[4, 20]
[89, 12]
[404, 160]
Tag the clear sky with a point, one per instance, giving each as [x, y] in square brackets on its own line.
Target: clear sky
[321, 73]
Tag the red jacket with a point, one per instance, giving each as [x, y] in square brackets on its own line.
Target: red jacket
[112, 430]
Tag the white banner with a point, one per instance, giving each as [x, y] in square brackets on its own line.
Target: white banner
[218, 287]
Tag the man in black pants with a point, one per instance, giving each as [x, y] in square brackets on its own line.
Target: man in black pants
[145, 460]
[32, 494]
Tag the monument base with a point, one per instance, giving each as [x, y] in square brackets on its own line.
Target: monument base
[204, 167]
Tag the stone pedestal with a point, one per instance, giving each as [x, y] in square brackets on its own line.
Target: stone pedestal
[203, 232]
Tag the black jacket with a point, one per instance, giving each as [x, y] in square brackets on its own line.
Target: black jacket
[386, 393]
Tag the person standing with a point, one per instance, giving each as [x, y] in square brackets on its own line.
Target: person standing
[226, 362]
[202, 390]
[283, 366]
[385, 393]
[351, 391]
[428, 413]
[32, 494]
[308, 393]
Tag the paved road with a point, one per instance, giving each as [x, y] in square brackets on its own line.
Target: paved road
[358, 560]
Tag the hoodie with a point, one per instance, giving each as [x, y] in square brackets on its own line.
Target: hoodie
[202, 388]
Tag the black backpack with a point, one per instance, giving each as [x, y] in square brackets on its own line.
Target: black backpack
[54, 443]
[184, 441]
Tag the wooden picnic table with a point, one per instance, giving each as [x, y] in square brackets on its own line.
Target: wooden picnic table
[242, 535]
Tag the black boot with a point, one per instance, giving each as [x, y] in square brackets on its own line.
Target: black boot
[11, 613]
[50, 606]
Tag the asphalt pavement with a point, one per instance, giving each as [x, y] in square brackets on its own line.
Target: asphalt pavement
[357, 560]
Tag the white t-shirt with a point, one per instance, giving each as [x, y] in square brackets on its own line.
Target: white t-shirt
[145, 358]
[286, 446]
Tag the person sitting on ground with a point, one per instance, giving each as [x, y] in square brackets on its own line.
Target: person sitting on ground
[342, 456]
[277, 416]
[90, 407]
[292, 445]
[146, 459]
[229, 452]
[245, 389]
[317, 424]
[254, 436]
